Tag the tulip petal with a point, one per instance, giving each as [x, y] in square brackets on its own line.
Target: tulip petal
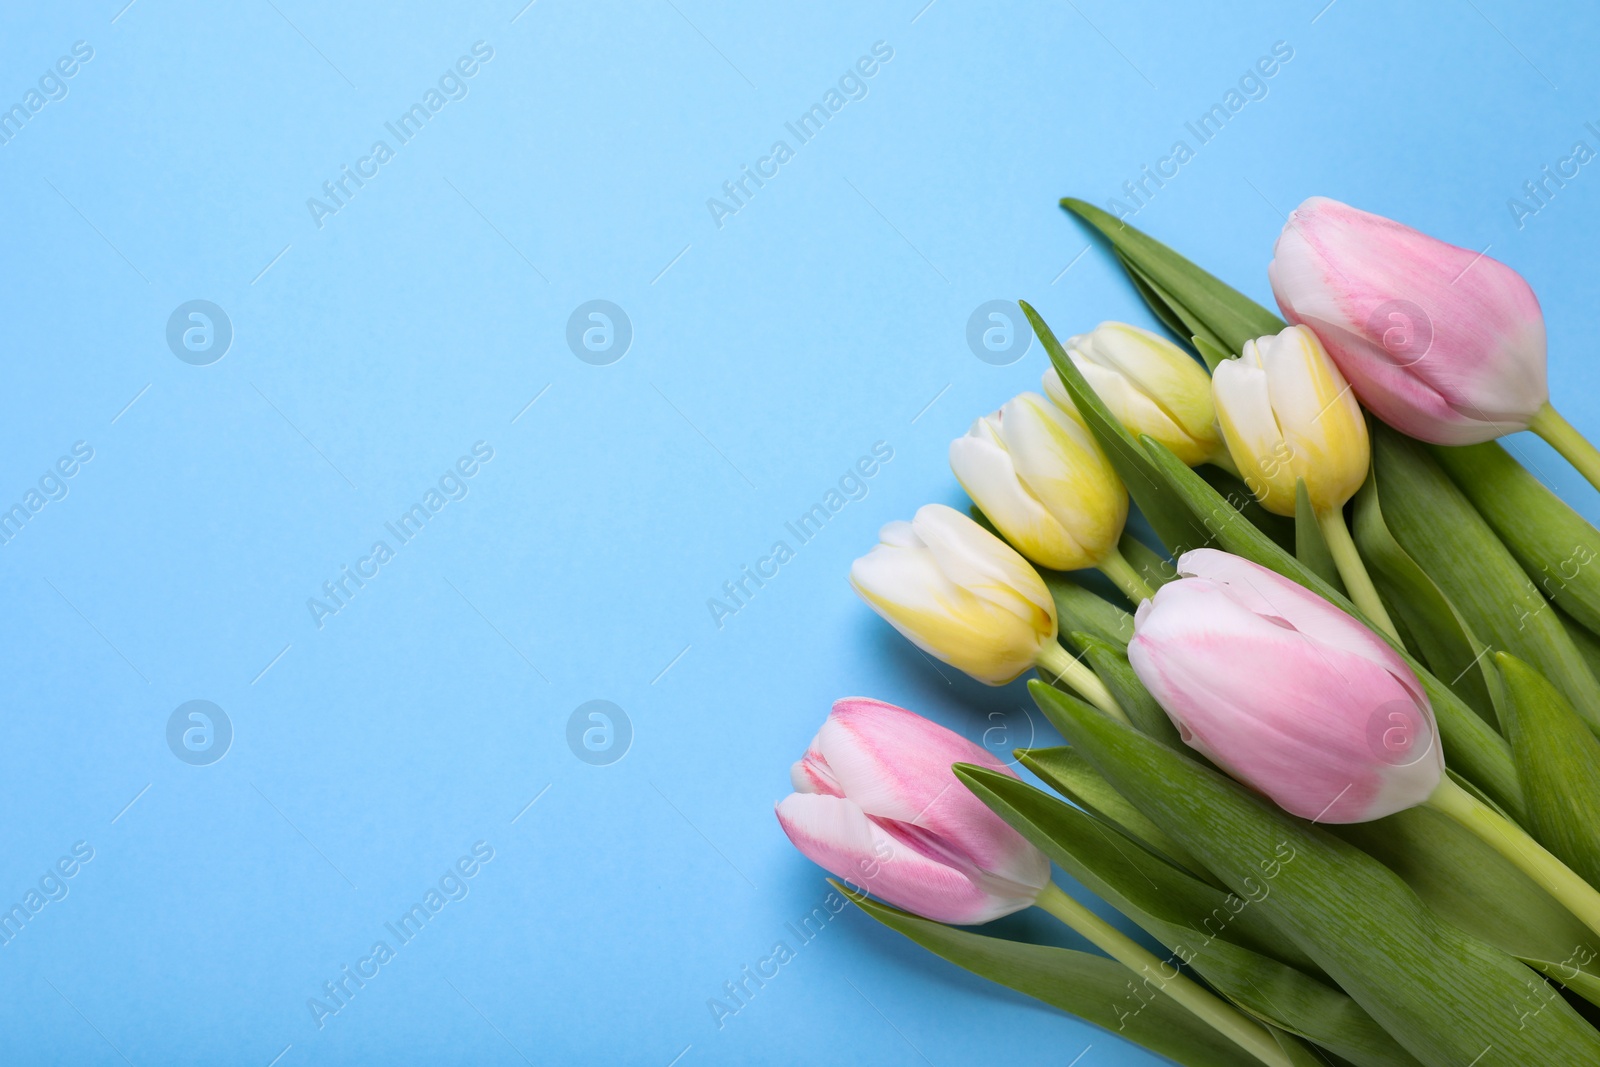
[1266, 592]
[1440, 341]
[836, 834]
[976, 560]
[867, 742]
[1244, 411]
[985, 470]
[907, 587]
[1301, 721]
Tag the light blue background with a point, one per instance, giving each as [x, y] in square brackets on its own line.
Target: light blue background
[769, 353]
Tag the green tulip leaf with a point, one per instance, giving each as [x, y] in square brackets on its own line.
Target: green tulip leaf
[1071, 775]
[1471, 745]
[1078, 610]
[1210, 350]
[1439, 528]
[1217, 934]
[1111, 664]
[1439, 633]
[1079, 983]
[1279, 528]
[1468, 883]
[1177, 318]
[1230, 316]
[1559, 761]
[1170, 519]
[1588, 643]
[1164, 307]
[1557, 547]
[1449, 998]
[1310, 547]
[1151, 565]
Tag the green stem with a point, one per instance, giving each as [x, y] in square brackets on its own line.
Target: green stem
[1222, 1016]
[1573, 446]
[1059, 665]
[1116, 567]
[1512, 842]
[1222, 459]
[1354, 573]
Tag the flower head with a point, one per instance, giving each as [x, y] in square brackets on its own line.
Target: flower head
[877, 805]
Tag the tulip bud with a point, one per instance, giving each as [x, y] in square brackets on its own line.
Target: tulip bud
[959, 593]
[877, 805]
[1286, 692]
[1442, 343]
[1287, 413]
[1039, 475]
[1150, 384]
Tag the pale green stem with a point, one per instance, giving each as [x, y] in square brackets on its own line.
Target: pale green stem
[1059, 665]
[1512, 842]
[1222, 459]
[1356, 580]
[1223, 1017]
[1116, 567]
[1572, 445]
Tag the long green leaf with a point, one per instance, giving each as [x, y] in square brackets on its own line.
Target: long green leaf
[1082, 611]
[1471, 744]
[1151, 565]
[1160, 303]
[1310, 547]
[1179, 319]
[1442, 637]
[1449, 998]
[1469, 884]
[1559, 761]
[1112, 666]
[1216, 933]
[1277, 527]
[1075, 778]
[1557, 547]
[1170, 519]
[1438, 526]
[1094, 988]
[1230, 315]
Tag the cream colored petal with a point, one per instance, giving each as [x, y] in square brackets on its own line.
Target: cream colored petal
[981, 563]
[1244, 412]
[1320, 418]
[985, 471]
[1060, 463]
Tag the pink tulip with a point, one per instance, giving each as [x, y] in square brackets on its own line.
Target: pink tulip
[1442, 343]
[878, 806]
[1286, 692]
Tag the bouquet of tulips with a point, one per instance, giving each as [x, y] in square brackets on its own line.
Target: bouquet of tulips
[1341, 761]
